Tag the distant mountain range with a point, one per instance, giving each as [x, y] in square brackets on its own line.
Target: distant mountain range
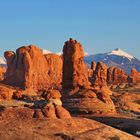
[117, 58]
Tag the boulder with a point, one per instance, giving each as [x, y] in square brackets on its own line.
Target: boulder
[53, 108]
[104, 95]
[51, 94]
[62, 113]
[88, 94]
[17, 95]
[38, 114]
[6, 92]
[49, 111]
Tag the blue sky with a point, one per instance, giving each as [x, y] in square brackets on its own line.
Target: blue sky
[100, 25]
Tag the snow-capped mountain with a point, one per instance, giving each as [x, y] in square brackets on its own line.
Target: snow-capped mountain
[2, 62]
[119, 52]
[117, 58]
[46, 51]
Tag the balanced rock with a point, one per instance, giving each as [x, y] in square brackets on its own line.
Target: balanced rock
[74, 69]
[53, 108]
[53, 97]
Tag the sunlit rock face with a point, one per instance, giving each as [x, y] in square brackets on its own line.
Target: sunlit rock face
[27, 68]
[116, 75]
[100, 75]
[55, 64]
[134, 76]
[74, 69]
[2, 72]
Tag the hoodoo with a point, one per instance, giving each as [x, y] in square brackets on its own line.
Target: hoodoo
[74, 69]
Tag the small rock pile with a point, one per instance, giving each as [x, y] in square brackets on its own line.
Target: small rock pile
[53, 108]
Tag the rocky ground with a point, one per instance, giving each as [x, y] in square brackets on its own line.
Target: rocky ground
[127, 104]
[18, 124]
[19, 115]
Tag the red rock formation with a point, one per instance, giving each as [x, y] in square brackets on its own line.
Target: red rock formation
[62, 113]
[17, 95]
[74, 69]
[53, 108]
[134, 77]
[110, 75]
[55, 63]
[49, 112]
[119, 76]
[6, 92]
[129, 101]
[100, 85]
[93, 66]
[27, 68]
[2, 72]
[100, 75]
[90, 73]
[52, 97]
[91, 70]
[116, 75]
